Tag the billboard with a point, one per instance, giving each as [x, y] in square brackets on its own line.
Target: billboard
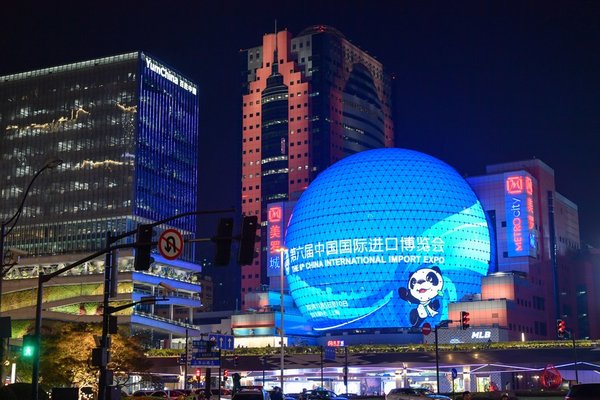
[521, 231]
[385, 238]
[278, 215]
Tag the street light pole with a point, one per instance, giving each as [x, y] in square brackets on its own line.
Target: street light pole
[35, 372]
[437, 361]
[4, 232]
[442, 324]
[282, 311]
[53, 163]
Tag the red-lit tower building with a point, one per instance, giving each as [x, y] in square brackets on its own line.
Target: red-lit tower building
[308, 101]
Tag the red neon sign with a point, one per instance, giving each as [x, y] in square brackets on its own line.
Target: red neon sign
[275, 214]
[520, 209]
[514, 185]
[529, 185]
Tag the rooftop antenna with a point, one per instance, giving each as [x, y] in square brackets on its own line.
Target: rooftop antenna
[275, 68]
[275, 36]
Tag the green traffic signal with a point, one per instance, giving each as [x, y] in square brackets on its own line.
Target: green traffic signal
[30, 346]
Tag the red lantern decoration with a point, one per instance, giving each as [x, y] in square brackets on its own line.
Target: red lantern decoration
[550, 378]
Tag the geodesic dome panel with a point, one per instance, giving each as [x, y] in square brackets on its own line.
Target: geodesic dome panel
[385, 238]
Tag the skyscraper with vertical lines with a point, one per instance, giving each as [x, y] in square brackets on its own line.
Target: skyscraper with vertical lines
[308, 101]
[126, 129]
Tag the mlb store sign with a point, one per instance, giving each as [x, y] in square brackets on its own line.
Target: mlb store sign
[474, 335]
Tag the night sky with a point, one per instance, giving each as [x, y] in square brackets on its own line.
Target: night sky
[478, 82]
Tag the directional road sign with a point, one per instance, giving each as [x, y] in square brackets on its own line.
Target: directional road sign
[205, 362]
[223, 342]
[170, 244]
[329, 353]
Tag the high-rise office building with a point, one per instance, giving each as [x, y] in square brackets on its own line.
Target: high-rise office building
[126, 129]
[308, 101]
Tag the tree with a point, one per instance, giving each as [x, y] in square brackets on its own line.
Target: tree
[66, 356]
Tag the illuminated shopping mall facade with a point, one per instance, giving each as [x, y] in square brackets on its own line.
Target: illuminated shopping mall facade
[126, 129]
[357, 246]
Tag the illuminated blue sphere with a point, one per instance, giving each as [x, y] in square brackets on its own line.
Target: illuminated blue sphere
[385, 238]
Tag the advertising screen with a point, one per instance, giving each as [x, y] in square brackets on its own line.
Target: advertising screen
[278, 215]
[385, 238]
[520, 214]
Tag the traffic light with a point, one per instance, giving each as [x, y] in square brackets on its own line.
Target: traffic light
[223, 241]
[247, 240]
[226, 374]
[30, 346]
[561, 328]
[198, 374]
[236, 361]
[464, 320]
[143, 247]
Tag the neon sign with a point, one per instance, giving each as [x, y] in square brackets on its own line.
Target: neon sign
[520, 214]
[169, 75]
[277, 216]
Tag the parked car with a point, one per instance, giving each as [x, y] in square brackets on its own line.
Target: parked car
[322, 394]
[254, 393]
[160, 394]
[413, 394]
[285, 396]
[584, 391]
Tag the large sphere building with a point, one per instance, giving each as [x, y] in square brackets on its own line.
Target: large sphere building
[385, 238]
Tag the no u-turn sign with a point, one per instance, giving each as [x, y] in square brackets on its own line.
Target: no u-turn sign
[170, 244]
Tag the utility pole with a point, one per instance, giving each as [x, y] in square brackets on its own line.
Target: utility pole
[102, 351]
[321, 367]
[442, 324]
[185, 368]
[437, 360]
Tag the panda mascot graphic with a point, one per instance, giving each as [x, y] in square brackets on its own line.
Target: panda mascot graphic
[424, 286]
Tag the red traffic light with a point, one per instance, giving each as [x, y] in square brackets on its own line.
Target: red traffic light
[198, 373]
[561, 327]
[226, 374]
[464, 319]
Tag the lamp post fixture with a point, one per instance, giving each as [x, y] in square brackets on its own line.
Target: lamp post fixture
[282, 311]
[6, 228]
[9, 224]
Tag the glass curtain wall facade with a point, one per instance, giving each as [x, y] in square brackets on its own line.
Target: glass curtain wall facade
[126, 130]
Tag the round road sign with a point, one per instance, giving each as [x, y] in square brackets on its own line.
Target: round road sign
[426, 328]
[170, 244]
